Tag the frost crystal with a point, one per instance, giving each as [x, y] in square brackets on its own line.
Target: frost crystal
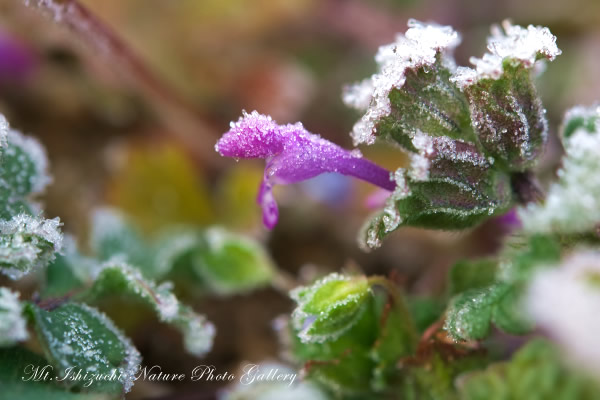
[13, 326]
[198, 332]
[293, 154]
[329, 307]
[515, 43]
[4, 127]
[35, 153]
[418, 47]
[573, 203]
[28, 243]
[565, 302]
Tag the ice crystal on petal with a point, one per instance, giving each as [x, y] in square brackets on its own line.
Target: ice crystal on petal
[565, 302]
[13, 326]
[418, 47]
[292, 154]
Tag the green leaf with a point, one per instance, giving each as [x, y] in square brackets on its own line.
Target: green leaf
[112, 237]
[329, 307]
[344, 364]
[13, 326]
[77, 337]
[535, 372]
[427, 102]
[229, 263]
[524, 256]
[467, 274]
[509, 312]
[508, 117]
[470, 313]
[27, 243]
[439, 202]
[17, 379]
[121, 279]
[69, 271]
[23, 165]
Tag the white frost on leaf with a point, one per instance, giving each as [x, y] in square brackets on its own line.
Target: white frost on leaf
[197, 331]
[572, 204]
[13, 325]
[418, 47]
[27, 243]
[565, 301]
[36, 154]
[4, 127]
[511, 42]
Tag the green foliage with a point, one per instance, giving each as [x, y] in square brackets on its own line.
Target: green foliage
[366, 359]
[77, 337]
[467, 132]
[495, 296]
[535, 372]
[220, 261]
[118, 279]
[228, 263]
[13, 326]
[17, 381]
[476, 274]
[508, 117]
[27, 241]
[329, 307]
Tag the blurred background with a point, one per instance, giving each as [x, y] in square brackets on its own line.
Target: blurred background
[134, 126]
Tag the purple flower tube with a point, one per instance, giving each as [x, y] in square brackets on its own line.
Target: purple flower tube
[293, 154]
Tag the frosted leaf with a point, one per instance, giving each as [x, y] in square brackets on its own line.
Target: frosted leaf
[511, 43]
[80, 337]
[449, 184]
[418, 48]
[112, 237]
[37, 178]
[4, 127]
[273, 389]
[114, 277]
[572, 204]
[13, 325]
[329, 307]
[28, 243]
[172, 245]
[229, 263]
[564, 301]
[23, 171]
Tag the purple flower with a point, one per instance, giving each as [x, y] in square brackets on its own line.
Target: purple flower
[293, 154]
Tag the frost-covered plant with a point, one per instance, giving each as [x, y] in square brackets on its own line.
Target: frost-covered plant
[472, 136]
[62, 320]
